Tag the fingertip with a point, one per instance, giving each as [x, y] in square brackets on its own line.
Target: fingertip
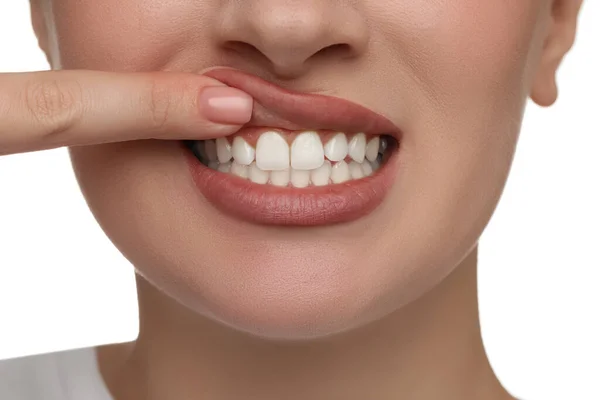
[225, 105]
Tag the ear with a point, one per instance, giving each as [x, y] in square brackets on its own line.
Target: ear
[38, 22]
[558, 41]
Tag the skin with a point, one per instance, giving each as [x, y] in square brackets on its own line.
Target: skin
[383, 307]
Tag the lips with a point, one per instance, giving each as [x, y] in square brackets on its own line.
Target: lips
[281, 108]
[284, 111]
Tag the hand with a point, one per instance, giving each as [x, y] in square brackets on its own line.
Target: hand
[50, 109]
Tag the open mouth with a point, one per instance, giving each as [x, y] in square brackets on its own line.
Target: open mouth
[295, 159]
[302, 160]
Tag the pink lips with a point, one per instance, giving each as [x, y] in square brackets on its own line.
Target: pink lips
[281, 108]
[276, 107]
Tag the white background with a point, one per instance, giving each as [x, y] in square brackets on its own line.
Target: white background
[63, 285]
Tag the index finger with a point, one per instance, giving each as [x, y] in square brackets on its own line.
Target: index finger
[49, 109]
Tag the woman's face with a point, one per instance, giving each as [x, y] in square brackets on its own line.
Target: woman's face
[452, 75]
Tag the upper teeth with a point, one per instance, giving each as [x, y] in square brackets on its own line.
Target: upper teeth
[306, 153]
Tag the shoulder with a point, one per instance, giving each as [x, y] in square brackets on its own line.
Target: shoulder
[53, 376]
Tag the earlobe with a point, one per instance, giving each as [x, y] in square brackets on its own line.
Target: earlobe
[558, 42]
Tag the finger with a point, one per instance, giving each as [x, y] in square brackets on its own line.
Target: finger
[43, 110]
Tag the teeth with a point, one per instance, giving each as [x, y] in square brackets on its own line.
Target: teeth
[223, 150]
[321, 175]
[272, 152]
[357, 147]
[372, 149]
[198, 149]
[356, 171]
[240, 170]
[300, 178]
[210, 150]
[243, 153]
[280, 178]
[367, 168]
[383, 145]
[257, 175]
[225, 167]
[307, 151]
[306, 162]
[340, 172]
[337, 147]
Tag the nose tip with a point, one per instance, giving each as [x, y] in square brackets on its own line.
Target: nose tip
[290, 34]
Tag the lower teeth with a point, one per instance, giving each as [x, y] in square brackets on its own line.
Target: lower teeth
[327, 174]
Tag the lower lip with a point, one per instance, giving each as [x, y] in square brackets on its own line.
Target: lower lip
[288, 206]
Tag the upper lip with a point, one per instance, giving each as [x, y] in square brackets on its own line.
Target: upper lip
[282, 108]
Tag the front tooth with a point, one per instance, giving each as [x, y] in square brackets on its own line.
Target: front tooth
[307, 151]
[372, 149]
[210, 149]
[243, 153]
[337, 147]
[320, 176]
[356, 171]
[357, 147]
[272, 152]
[213, 165]
[223, 150]
[280, 177]
[340, 172]
[257, 175]
[300, 178]
[239, 170]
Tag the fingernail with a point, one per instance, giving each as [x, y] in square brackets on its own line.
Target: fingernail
[226, 105]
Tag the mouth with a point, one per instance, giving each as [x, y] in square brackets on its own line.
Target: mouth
[302, 160]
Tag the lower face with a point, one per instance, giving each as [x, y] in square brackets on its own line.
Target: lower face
[452, 75]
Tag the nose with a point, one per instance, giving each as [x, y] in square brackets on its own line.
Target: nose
[291, 34]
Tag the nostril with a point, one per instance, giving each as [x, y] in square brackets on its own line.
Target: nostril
[342, 50]
[244, 49]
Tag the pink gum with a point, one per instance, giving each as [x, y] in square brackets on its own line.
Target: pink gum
[251, 134]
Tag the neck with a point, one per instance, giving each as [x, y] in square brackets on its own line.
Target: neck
[430, 349]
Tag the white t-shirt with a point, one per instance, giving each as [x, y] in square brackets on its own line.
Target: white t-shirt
[66, 375]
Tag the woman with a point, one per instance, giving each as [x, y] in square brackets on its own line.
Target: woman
[301, 188]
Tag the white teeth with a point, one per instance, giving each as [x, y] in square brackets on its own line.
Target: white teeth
[210, 149]
[300, 178]
[243, 153]
[305, 163]
[340, 172]
[356, 171]
[307, 151]
[320, 176]
[367, 168]
[280, 178]
[372, 149]
[257, 175]
[239, 170]
[225, 167]
[272, 152]
[223, 150]
[337, 147]
[357, 147]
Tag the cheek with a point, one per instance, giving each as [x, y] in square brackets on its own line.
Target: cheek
[460, 47]
[127, 35]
